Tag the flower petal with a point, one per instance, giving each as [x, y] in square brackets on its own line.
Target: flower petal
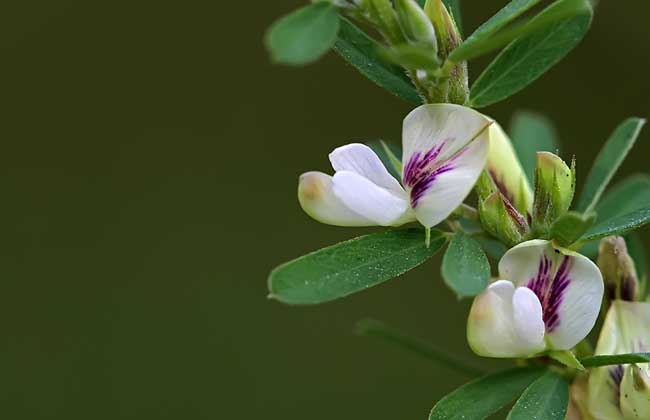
[505, 322]
[362, 160]
[435, 195]
[569, 286]
[371, 201]
[440, 130]
[626, 330]
[319, 201]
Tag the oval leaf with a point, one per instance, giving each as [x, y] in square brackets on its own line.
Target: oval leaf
[531, 133]
[363, 53]
[608, 161]
[571, 226]
[465, 267]
[485, 396]
[618, 359]
[618, 225]
[304, 35]
[547, 398]
[351, 266]
[531, 55]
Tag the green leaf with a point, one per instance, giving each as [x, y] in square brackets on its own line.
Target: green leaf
[637, 251]
[503, 17]
[567, 358]
[465, 267]
[618, 225]
[349, 267]
[531, 133]
[390, 155]
[492, 247]
[304, 35]
[531, 55]
[373, 328]
[547, 398]
[483, 397]
[571, 226]
[363, 53]
[608, 161]
[618, 359]
[631, 194]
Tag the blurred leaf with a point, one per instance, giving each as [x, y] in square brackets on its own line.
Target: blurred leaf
[618, 225]
[547, 398]
[531, 55]
[410, 56]
[631, 194]
[571, 226]
[618, 359]
[531, 133]
[483, 397]
[492, 247]
[348, 267]
[608, 161]
[390, 155]
[465, 267]
[363, 53]
[566, 358]
[304, 35]
[503, 17]
[373, 328]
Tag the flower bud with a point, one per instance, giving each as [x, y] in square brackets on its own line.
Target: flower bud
[382, 14]
[554, 189]
[415, 24]
[619, 272]
[506, 171]
[501, 220]
[449, 37]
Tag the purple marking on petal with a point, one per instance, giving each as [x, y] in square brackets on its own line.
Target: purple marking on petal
[616, 376]
[550, 289]
[421, 171]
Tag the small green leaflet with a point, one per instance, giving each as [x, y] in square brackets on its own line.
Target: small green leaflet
[608, 161]
[618, 225]
[547, 398]
[567, 358]
[349, 267]
[530, 56]
[373, 328]
[571, 226]
[618, 359]
[531, 133]
[503, 17]
[484, 396]
[631, 194]
[304, 35]
[363, 53]
[465, 267]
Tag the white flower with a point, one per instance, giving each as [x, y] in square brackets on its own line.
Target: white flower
[622, 391]
[550, 301]
[445, 148]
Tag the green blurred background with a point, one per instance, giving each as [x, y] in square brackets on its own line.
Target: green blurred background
[149, 165]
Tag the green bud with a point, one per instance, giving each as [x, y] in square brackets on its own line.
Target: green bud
[449, 37]
[554, 189]
[501, 220]
[416, 24]
[619, 272]
[382, 14]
